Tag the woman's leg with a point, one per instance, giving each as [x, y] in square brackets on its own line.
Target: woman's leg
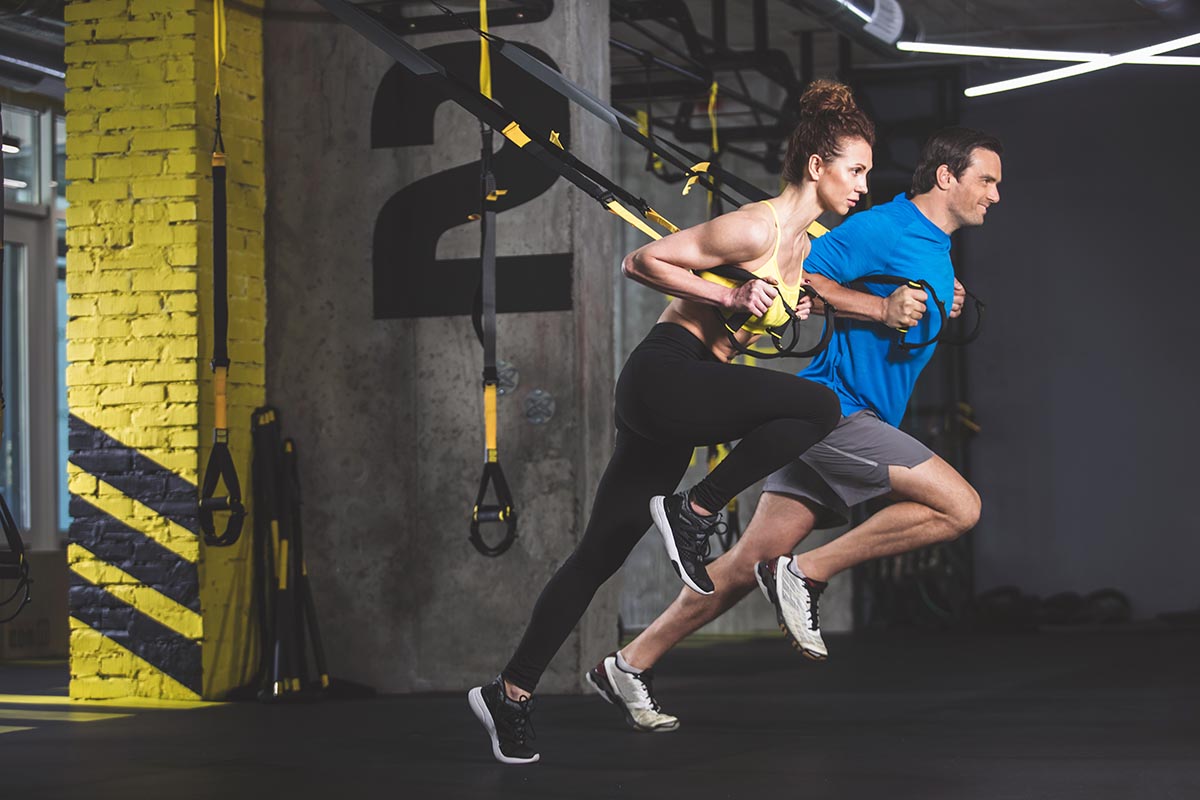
[776, 416]
[620, 517]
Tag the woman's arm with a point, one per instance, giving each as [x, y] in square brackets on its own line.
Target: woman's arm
[668, 264]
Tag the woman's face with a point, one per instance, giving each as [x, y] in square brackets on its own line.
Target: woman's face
[842, 181]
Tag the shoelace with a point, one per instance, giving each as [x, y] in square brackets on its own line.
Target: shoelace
[645, 681]
[696, 532]
[814, 594]
[517, 720]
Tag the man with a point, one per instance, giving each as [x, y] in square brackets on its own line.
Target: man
[866, 456]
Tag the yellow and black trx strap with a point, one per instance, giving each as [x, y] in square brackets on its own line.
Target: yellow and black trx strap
[13, 564]
[537, 144]
[220, 461]
[942, 334]
[504, 510]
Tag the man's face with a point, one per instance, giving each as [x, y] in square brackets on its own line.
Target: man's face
[976, 189]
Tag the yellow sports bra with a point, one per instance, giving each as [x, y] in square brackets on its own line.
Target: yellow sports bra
[776, 315]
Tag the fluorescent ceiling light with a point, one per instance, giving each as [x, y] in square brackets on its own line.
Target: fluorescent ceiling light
[1038, 55]
[858, 12]
[53, 73]
[13, 183]
[1084, 68]
[11, 149]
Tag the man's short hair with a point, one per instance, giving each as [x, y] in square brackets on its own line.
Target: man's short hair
[952, 147]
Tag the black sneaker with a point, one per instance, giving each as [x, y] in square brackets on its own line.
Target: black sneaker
[506, 721]
[685, 535]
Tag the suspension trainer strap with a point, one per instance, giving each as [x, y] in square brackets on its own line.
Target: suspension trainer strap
[861, 285]
[541, 147]
[220, 462]
[735, 322]
[503, 511]
[13, 564]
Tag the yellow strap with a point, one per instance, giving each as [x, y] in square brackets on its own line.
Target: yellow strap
[283, 564]
[554, 140]
[489, 417]
[220, 378]
[627, 215]
[643, 123]
[485, 57]
[660, 220]
[712, 115]
[701, 167]
[218, 43]
[512, 131]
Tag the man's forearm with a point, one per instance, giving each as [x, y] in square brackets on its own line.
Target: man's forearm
[849, 303]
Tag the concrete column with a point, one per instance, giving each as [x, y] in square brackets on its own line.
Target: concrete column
[154, 613]
[387, 410]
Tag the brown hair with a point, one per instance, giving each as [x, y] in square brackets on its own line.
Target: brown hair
[828, 116]
[954, 147]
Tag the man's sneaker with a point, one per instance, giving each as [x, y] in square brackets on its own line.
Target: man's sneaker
[685, 535]
[633, 693]
[506, 721]
[795, 600]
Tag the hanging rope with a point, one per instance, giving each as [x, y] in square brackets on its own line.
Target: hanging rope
[220, 462]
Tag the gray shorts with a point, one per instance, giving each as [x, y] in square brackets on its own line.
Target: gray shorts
[848, 467]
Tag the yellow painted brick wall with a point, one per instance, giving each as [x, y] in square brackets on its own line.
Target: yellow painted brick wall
[140, 114]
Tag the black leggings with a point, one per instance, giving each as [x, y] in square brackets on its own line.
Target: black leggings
[672, 397]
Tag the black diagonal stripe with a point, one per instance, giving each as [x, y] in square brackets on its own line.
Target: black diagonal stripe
[137, 476]
[167, 650]
[113, 541]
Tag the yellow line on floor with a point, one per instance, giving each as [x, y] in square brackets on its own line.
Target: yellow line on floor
[125, 702]
[12, 729]
[57, 716]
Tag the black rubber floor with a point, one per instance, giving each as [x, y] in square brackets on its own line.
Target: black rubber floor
[1057, 715]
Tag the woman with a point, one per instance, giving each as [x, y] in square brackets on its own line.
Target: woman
[678, 391]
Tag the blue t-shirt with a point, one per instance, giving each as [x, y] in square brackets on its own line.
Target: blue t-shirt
[862, 365]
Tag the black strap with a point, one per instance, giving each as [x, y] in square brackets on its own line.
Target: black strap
[493, 474]
[13, 564]
[220, 461]
[735, 322]
[943, 334]
[674, 154]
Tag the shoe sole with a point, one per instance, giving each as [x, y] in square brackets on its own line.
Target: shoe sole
[606, 691]
[658, 513]
[480, 709]
[770, 590]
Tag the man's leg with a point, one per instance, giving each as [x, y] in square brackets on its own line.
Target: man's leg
[938, 506]
[780, 522]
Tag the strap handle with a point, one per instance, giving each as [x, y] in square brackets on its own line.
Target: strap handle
[902, 342]
[220, 467]
[735, 322]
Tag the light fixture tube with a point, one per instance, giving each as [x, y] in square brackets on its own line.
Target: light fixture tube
[13, 183]
[1082, 69]
[1037, 55]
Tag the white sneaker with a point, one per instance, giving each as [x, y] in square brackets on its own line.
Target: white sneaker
[795, 600]
[633, 693]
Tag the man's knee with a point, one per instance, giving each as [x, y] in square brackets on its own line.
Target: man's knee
[962, 510]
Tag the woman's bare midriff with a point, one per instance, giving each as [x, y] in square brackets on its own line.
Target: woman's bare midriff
[702, 322]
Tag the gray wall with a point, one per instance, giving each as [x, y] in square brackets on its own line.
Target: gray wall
[1083, 377]
[388, 414]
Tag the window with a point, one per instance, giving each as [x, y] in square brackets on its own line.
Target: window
[33, 449]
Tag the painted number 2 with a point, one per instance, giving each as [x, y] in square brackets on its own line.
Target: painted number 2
[409, 279]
